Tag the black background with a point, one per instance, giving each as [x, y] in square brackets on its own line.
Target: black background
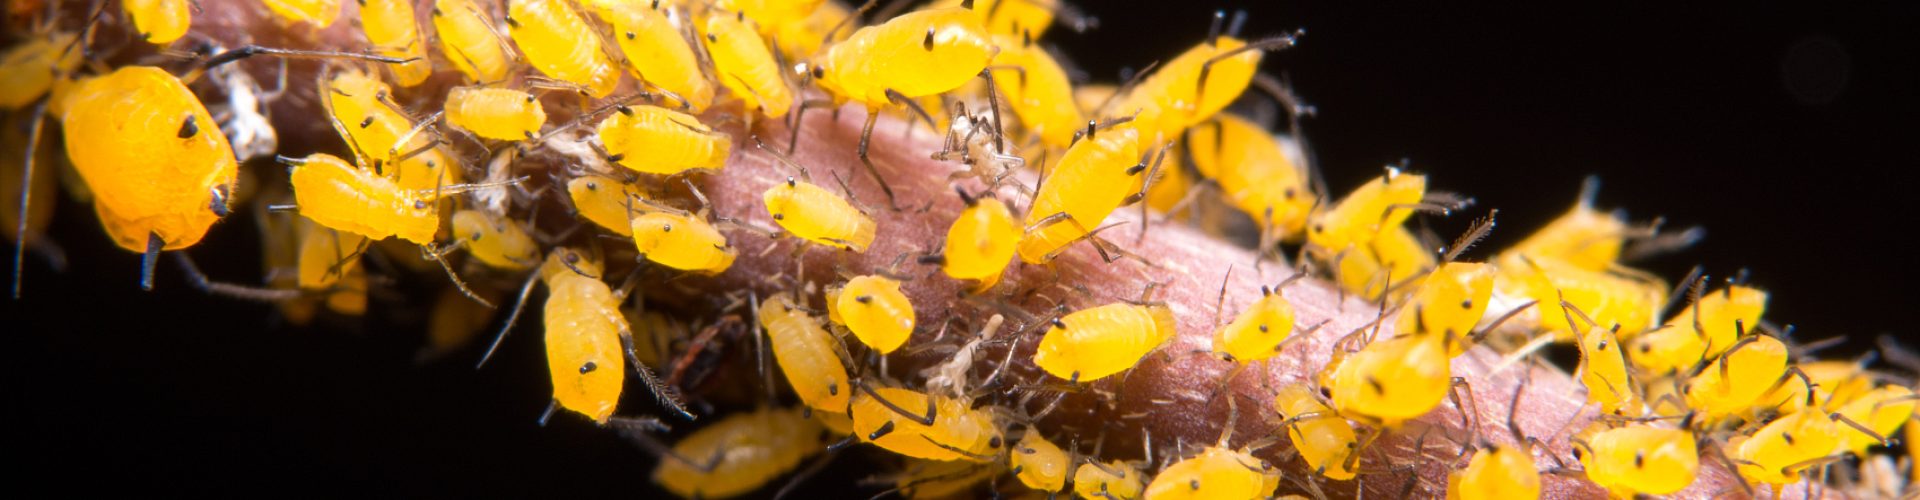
[1686, 113]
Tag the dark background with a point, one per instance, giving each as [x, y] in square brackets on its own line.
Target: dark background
[1787, 132]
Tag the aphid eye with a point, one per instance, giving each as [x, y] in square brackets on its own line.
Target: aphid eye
[819, 72]
[1639, 459]
[864, 299]
[363, 3]
[367, 122]
[631, 35]
[928, 42]
[616, 158]
[419, 204]
[656, 4]
[1319, 228]
[790, 182]
[436, 11]
[1289, 193]
[476, 237]
[588, 368]
[189, 128]
[1466, 304]
[572, 258]
[779, 217]
[529, 98]
[666, 228]
[1194, 483]
[1603, 345]
[512, 23]
[593, 186]
[994, 442]
[712, 39]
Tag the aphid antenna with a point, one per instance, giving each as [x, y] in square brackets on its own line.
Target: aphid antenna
[1276, 42]
[26, 180]
[1127, 86]
[526, 288]
[662, 393]
[782, 158]
[407, 137]
[254, 50]
[1478, 231]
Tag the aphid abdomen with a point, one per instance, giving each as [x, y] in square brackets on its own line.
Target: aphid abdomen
[151, 154]
[817, 215]
[1087, 185]
[559, 43]
[656, 140]
[981, 243]
[681, 242]
[393, 32]
[753, 449]
[583, 345]
[961, 433]
[159, 22]
[805, 354]
[659, 55]
[502, 114]
[468, 41]
[606, 202]
[345, 198]
[743, 64]
[901, 56]
[1102, 341]
[496, 241]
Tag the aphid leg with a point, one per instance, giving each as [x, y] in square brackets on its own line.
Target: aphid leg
[26, 192]
[993, 105]
[1469, 413]
[926, 420]
[662, 393]
[533, 277]
[254, 50]
[430, 254]
[393, 152]
[866, 138]
[242, 292]
[149, 259]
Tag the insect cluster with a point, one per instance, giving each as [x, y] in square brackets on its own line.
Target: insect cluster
[612, 153]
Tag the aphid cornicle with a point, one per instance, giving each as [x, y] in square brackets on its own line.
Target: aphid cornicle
[1113, 480]
[1639, 459]
[159, 22]
[584, 327]
[819, 216]
[743, 64]
[921, 425]
[980, 243]
[656, 140]
[468, 39]
[392, 31]
[559, 43]
[1092, 179]
[1039, 463]
[1321, 436]
[1091, 344]
[658, 54]
[605, 201]
[318, 13]
[681, 241]
[873, 308]
[1255, 174]
[1257, 332]
[738, 454]
[500, 114]
[496, 241]
[805, 352]
[1496, 473]
[28, 70]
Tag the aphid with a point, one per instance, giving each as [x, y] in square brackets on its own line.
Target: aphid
[658, 54]
[497, 241]
[1014, 17]
[921, 425]
[1217, 472]
[1366, 213]
[605, 201]
[657, 140]
[802, 40]
[1255, 174]
[1883, 411]
[468, 39]
[1091, 344]
[325, 255]
[1777, 453]
[738, 454]
[806, 354]
[1639, 459]
[392, 30]
[381, 136]
[1094, 177]
[1703, 330]
[1584, 238]
[1835, 384]
[1324, 439]
[160, 22]
[1038, 90]
[1496, 473]
[681, 241]
[1603, 370]
[980, 243]
[1038, 463]
[1735, 380]
[1113, 480]
[584, 330]
[1392, 380]
[1259, 331]
[1190, 88]
[29, 69]
[500, 114]
[165, 177]
[1449, 302]
[934, 479]
[1366, 269]
[873, 308]
[559, 43]
[1608, 299]
[340, 196]
[744, 65]
[817, 215]
[319, 13]
[768, 14]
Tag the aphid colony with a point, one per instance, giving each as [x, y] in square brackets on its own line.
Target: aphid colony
[1041, 165]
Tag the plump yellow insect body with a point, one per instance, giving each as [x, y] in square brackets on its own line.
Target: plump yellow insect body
[1215, 473]
[1835, 384]
[468, 39]
[1111, 481]
[339, 196]
[1681, 342]
[923, 53]
[1393, 380]
[1603, 370]
[1585, 238]
[501, 114]
[319, 13]
[1777, 453]
[1607, 299]
[497, 241]
[1257, 332]
[1366, 213]
[392, 30]
[559, 43]
[681, 241]
[1394, 255]
[1640, 459]
[802, 40]
[326, 255]
[606, 202]
[159, 22]
[1171, 99]
[1091, 344]
[1884, 410]
[1734, 381]
[1449, 302]
[1038, 92]
[1255, 173]
[819, 216]
[981, 243]
[1011, 17]
[583, 324]
[875, 310]
[957, 432]
[659, 55]
[743, 64]
[1324, 439]
[1498, 473]
[28, 70]
[350, 296]
[806, 355]
[657, 140]
[747, 450]
[934, 479]
[372, 125]
[1089, 182]
[155, 160]
[768, 14]
[1039, 463]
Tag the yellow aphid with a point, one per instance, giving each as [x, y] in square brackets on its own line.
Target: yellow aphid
[584, 326]
[771, 13]
[1258, 331]
[981, 243]
[1114, 480]
[1095, 176]
[1090, 97]
[923, 53]
[1607, 299]
[1366, 213]
[922, 425]
[743, 64]
[468, 39]
[160, 22]
[1497, 473]
[500, 114]
[1777, 453]
[1603, 370]
[1836, 384]
[339, 196]
[1392, 380]
[1701, 331]
[1038, 463]
[28, 69]
[159, 167]
[819, 216]
[933, 479]
[802, 40]
[319, 13]
[1216, 472]
[497, 241]
[1011, 17]
[1255, 174]
[358, 105]
[1091, 344]
[658, 54]
[1449, 302]
[349, 297]
[1585, 238]
[1883, 411]
[559, 43]
[657, 140]
[875, 310]
[1734, 381]
[1395, 254]
[839, 423]
[1639, 459]
[393, 32]
[1036, 88]
[1324, 439]
[607, 202]
[738, 454]
[1176, 97]
[681, 241]
[326, 255]
[806, 355]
